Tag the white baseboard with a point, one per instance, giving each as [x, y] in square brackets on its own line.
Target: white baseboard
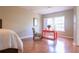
[27, 36]
[75, 44]
[67, 37]
[32, 36]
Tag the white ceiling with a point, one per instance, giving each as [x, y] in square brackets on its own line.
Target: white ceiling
[47, 9]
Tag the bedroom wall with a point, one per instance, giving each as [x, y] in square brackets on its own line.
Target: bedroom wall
[1, 13]
[68, 22]
[76, 26]
[20, 20]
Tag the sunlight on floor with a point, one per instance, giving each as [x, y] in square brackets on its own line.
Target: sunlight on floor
[50, 43]
[59, 47]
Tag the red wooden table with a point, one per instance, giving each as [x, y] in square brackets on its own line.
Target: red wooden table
[45, 31]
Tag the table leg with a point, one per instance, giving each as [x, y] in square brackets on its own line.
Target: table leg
[54, 35]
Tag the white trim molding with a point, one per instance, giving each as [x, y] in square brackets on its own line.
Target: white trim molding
[32, 36]
[66, 37]
[27, 36]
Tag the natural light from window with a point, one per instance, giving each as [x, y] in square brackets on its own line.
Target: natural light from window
[57, 23]
[50, 21]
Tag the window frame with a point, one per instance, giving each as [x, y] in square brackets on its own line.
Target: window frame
[35, 22]
[61, 23]
[54, 25]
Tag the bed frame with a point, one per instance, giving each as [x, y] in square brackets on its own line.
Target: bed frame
[9, 50]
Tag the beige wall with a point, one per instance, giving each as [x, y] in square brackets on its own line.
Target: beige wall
[68, 22]
[19, 19]
[76, 26]
[1, 13]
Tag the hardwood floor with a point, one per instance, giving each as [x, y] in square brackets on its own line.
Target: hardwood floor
[64, 45]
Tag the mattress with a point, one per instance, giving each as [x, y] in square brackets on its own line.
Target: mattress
[9, 39]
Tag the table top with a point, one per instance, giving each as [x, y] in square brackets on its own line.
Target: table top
[48, 30]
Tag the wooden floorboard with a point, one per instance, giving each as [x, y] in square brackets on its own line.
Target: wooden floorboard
[64, 45]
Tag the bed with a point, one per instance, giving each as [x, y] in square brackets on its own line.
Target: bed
[10, 42]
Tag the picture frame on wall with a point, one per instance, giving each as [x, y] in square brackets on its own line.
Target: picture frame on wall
[0, 23]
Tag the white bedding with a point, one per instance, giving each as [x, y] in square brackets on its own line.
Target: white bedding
[9, 39]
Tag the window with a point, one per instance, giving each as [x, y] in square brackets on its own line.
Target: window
[34, 22]
[56, 23]
[59, 23]
[49, 21]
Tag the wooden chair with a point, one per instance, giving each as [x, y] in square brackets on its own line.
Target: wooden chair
[36, 36]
